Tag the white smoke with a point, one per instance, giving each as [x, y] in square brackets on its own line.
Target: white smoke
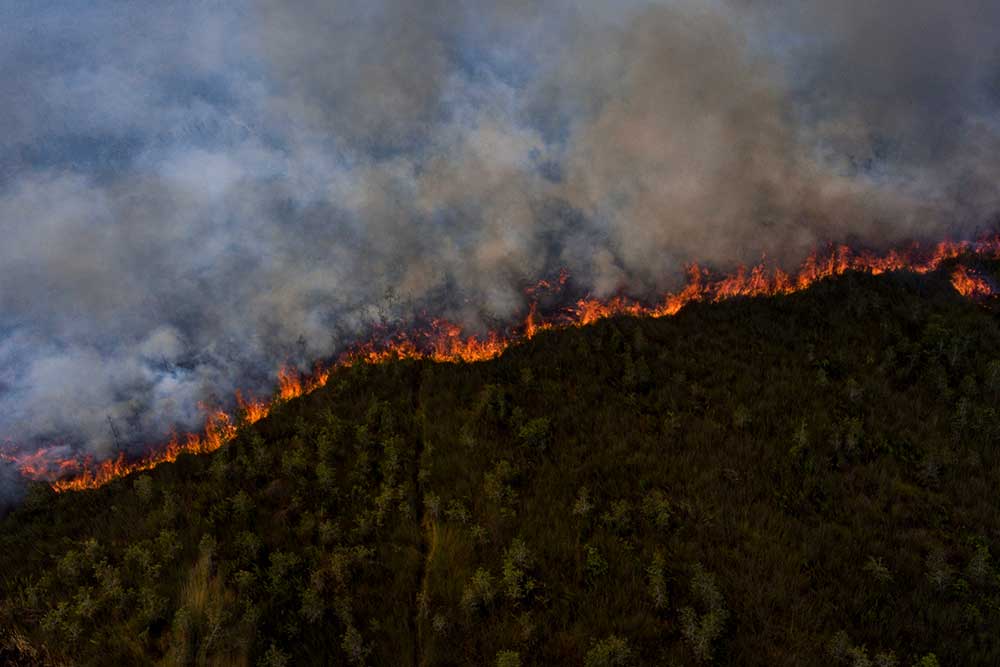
[193, 194]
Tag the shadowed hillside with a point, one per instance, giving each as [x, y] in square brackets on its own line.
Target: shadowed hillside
[800, 480]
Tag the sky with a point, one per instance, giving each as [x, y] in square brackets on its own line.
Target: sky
[195, 192]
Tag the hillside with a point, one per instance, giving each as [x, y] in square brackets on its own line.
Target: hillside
[799, 480]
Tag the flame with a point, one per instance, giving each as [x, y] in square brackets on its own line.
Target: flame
[444, 342]
[253, 410]
[969, 284]
[219, 429]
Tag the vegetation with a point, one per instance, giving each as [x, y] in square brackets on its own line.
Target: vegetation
[800, 480]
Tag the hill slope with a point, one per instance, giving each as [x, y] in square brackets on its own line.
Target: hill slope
[787, 481]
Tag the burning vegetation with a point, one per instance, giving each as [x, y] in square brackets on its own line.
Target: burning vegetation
[444, 341]
[798, 481]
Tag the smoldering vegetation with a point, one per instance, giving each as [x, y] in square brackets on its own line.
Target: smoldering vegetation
[193, 194]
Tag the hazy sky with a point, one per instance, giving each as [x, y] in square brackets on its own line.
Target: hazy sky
[193, 192]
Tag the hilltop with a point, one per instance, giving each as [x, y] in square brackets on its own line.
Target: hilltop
[792, 480]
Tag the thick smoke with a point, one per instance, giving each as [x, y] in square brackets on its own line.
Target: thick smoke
[193, 193]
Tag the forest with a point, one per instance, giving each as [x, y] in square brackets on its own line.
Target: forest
[807, 479]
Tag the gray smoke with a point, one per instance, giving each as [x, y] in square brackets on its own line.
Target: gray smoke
[193, 193]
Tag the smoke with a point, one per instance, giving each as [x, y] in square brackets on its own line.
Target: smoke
[193, 193]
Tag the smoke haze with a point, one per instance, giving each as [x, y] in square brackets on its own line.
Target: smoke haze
[193, 193]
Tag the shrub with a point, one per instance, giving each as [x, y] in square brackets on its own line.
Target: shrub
[657, 584]
[312, 605]
[243, 506]
[457, 512]
[353, 645]
[497, 484]
[582, 504]
[168, 545]
[702, 629]
[282, 565]
[612, 651]
[844, 652]
[439, 623]
[939, 573]
[594, 566]
[143, 486]
[508, 659]
[479, 592]
[534, 434]
[325, 475]
[515, 560]
[274, 657]
[432, 505]
[110, 581]
[741, 417]
[70, 565]
[878, 570]
[887, 659]
[979, 568]
[657, 508]
[247, 547]
[619, 518]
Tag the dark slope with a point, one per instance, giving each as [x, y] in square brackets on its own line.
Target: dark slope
[784, 481]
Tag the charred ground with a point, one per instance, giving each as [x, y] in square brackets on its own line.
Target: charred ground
[793, 480]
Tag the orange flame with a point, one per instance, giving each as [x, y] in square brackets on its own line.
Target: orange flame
[969, 284]
[443, 341]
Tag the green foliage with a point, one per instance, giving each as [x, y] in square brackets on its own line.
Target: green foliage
[498, 484]
[594, 565]
[516, 560]
[582, 504]
[843, 652]
[731, 485]
[657, 508]
[144, 488]
[657, 586]
[878, 570]
[612, 651]
[274, 657]
[479, 592]
[535, 434]
[508, 659]
[702, 627]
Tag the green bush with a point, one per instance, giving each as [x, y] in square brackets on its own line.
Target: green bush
[612, 651]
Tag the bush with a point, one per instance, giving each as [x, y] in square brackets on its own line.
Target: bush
[939, 572]
[516, 559]
[497, 484]
[656, 582]
[594, 565]
[657, 508]
[612, 651]
[143, 486]
[274, 657]
[508, 659]
[534, 434]
[353, 645]
[619, 518]
[701, 630]
[479, 592]
[582, 504]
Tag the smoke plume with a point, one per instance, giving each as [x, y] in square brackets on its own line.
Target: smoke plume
[193, 193]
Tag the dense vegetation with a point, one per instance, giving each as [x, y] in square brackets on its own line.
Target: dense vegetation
[799, 480]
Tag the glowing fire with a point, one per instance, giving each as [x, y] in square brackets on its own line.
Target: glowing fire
[443, 341]
[969, 284]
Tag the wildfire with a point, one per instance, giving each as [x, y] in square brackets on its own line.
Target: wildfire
[969, 284]
[443, 341]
